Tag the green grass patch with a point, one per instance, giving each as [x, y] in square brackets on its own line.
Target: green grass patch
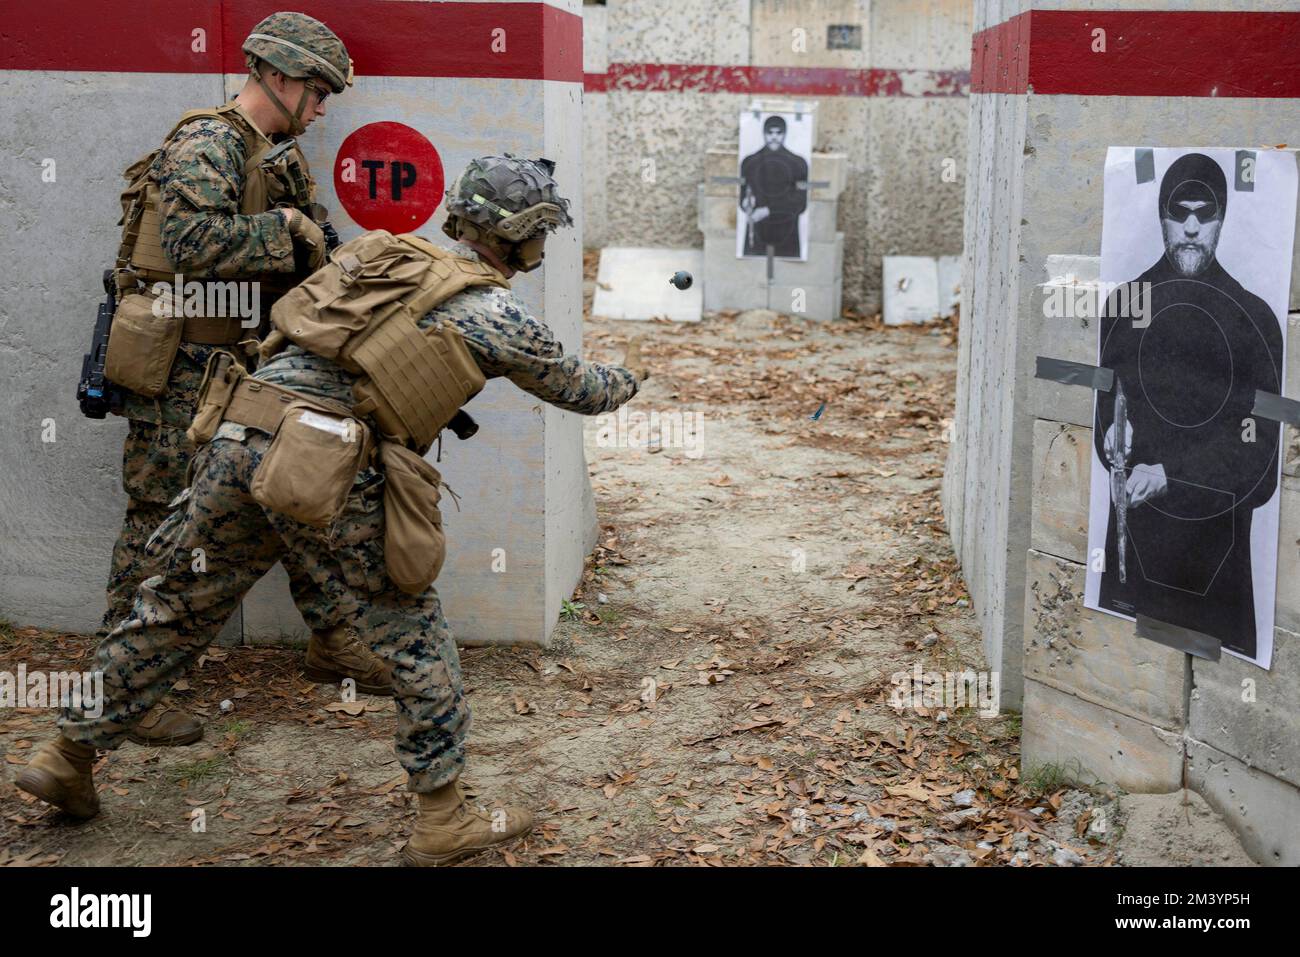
[195, 772]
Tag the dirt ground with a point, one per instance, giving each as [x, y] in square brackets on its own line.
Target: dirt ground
[719, 691]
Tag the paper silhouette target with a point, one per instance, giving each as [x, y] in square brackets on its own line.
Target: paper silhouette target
[1196, 255]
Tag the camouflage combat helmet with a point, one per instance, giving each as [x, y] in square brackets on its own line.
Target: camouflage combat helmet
[301, 47]
[509, 205]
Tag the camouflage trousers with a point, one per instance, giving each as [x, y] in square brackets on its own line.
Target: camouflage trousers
[178, 612]
[154, 463]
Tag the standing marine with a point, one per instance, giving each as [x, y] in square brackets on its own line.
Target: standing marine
[320, 453]
[227, 197]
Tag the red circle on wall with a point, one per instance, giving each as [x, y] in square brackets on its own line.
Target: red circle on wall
[388, 176]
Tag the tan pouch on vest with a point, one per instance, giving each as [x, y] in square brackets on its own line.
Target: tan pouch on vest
[309, 469]
[219, 380]
[414, 543]
[141, 346]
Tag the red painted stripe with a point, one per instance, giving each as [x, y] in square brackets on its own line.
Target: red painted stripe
[384, 37]
[1148, 53]
[790, 81]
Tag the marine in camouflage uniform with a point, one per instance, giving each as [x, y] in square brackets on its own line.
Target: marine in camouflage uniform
[201, 180]
[177, 614]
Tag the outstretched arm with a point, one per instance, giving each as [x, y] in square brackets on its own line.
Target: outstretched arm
[512, 344]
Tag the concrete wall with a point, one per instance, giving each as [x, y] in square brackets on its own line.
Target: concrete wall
[1096, 698]
[522, 480]
[887, 106]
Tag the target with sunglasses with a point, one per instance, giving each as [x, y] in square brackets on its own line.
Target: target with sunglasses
[1185, 486]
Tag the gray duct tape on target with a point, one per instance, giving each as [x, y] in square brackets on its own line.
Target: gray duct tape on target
[1075, 373]
[1276, 407]
[1179, 638]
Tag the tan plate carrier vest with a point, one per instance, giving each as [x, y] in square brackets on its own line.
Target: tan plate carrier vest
[140, 256]
[361, 310]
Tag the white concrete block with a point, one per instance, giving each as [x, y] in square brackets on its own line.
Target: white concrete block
[1062, 475]
[717, 217]
[824, 265]
[1260, 808]
[1096, 744]
[911, 290]
[722, 163]
[1251, 713]
[1095, 656]
[949, 283]
[633, 284]
[820, 302]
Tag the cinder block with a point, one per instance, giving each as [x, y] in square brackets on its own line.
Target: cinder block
[1291, 437]
[717, 217]
[1062, 464]
[1083, 737]
[1264, 731]
[824, 265]
[830, 168]
[820, 302]
[731, 283]
[1260, 808]
[1288, 558]
[722, 163]
[1097, 656]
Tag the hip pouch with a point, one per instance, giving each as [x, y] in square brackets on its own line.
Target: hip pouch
[313, 460]
[219, 380]
[142, 346]
[414, 543]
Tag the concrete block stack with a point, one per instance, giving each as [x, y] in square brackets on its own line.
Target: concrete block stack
[812, 289]
[1097, 700]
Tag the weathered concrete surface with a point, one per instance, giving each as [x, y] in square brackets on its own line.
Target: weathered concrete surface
[1251, 713]
[987, 456]
[633, 284]
[1260, 808]
[1089, 740]
[595, 128]
[522, 481]
[899, 145]
[1062, 476]
[1048, 152]
[1097, 656]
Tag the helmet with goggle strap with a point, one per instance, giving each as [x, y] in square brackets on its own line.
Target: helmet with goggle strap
[509, 204]
[300, 47]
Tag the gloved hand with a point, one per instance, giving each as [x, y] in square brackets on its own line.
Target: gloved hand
[632, 360]
[308, 240]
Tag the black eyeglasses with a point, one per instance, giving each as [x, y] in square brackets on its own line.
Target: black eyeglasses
[321, 95]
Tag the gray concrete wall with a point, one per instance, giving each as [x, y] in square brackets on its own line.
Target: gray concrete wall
[895, 202]
[522, 480]
[1097, 699]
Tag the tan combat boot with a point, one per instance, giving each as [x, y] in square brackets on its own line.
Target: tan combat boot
[448, 828]
[166, 726]
[337, 654]
[59, 774]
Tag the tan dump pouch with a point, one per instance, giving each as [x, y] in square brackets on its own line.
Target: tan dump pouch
[415, 380]
[313, 460]
[141, 346]
[219, 380]
[414, 543]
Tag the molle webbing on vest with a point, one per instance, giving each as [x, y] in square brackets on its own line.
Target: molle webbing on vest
[361, 310]
[141, 254]
[415, 380]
